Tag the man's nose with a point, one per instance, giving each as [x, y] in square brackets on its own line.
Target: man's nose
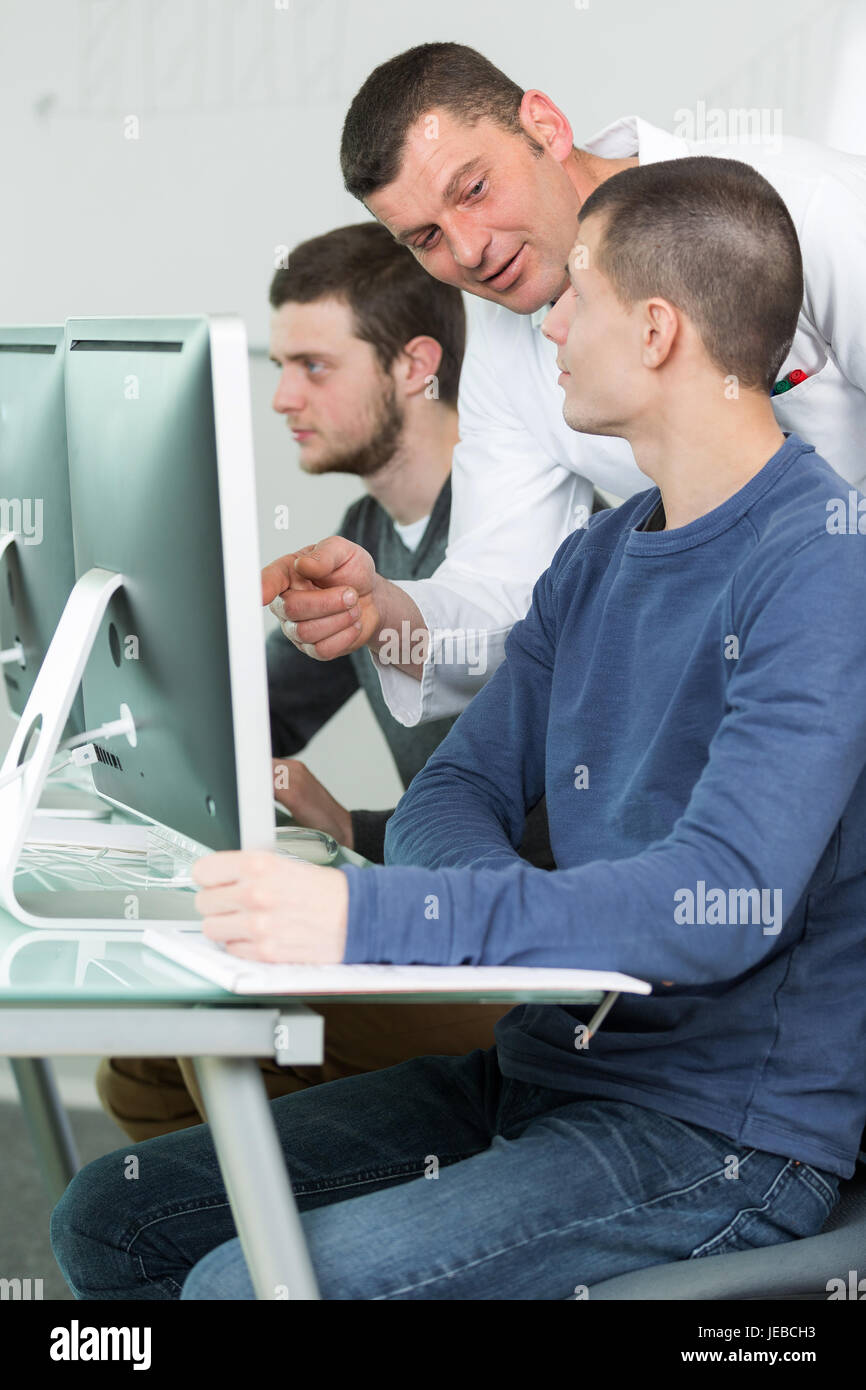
[288, 397]
[468, 245]
[554, 326]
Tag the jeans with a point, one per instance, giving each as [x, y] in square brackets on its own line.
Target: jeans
[439, 1178]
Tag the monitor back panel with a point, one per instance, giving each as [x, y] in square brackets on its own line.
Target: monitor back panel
[145, 502]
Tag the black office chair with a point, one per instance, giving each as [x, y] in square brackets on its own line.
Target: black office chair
[799, 1269]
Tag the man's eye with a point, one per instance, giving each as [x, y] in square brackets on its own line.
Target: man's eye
[476, 188]
[428, 242]
[314, 366]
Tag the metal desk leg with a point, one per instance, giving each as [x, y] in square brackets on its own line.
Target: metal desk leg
[47, 1121]
[256, 1178]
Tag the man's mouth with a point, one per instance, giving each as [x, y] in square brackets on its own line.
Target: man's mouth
[505, 276]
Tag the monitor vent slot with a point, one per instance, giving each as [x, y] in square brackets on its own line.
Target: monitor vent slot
[29, 347]
[109, 759]
[121, 345]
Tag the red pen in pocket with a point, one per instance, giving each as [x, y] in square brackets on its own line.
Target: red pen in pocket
[792, 379]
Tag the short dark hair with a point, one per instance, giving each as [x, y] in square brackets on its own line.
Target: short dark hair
[712, 236]
[398, 93]
[391, 298]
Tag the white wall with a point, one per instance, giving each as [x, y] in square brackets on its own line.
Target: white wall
[237, 107]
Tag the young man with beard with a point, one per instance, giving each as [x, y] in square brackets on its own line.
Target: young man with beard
[369, 352]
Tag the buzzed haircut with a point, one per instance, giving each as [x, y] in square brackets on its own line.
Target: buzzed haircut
[714, 238]
[446, 76]
[391, 298]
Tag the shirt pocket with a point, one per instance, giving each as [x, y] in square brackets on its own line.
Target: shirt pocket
[829, 412]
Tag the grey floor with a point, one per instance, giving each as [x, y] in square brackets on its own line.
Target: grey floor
[25, 1250]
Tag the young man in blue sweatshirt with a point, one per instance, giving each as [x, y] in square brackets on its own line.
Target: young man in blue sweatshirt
[689, 688]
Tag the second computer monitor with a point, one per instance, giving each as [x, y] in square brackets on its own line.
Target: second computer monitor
[37, 569]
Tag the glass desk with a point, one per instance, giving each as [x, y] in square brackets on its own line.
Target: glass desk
[100, 992]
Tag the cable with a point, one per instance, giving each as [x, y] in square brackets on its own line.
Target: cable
[19, 770]
[71, 865]
[81, 746]
[117, 727]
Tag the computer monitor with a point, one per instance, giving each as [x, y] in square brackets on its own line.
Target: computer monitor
[37, 569]
[166, 617]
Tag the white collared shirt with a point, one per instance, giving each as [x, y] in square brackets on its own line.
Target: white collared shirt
[522, 480]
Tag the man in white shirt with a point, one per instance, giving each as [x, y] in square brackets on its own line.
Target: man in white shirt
[484, 183]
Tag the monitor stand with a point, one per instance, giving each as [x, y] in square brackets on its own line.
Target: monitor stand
[35, 742]
[63, 801]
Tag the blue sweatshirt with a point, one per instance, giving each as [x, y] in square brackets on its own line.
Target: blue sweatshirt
[693, 702]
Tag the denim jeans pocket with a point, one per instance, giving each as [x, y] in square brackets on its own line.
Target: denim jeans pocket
[824, 1186]
[794, 1204]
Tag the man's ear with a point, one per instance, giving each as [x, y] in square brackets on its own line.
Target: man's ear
[660, 329]
[544, 122]
[418, 365]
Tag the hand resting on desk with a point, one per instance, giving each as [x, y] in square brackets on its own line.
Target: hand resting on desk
[264, 907]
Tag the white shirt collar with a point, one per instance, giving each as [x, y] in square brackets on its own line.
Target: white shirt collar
[630, 135]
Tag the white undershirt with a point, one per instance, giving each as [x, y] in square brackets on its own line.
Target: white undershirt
[411, 533]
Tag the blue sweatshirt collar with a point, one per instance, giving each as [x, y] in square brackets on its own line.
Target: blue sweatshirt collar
[722, 518]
